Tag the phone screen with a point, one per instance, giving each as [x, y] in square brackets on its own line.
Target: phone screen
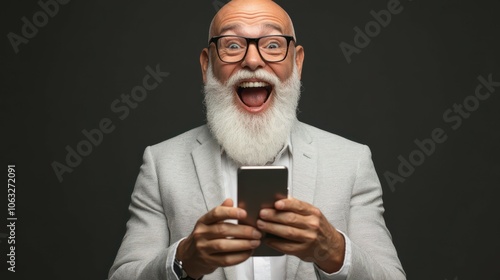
[260, 187]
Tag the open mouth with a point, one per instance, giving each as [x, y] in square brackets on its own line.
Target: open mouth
[254, 94]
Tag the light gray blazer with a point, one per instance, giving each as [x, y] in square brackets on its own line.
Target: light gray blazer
[181, 179]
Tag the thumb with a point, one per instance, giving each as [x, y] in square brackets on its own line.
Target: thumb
[228, 202]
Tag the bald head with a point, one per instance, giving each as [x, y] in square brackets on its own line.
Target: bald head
[237, 15]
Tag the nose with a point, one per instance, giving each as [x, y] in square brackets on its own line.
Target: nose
[253, 60]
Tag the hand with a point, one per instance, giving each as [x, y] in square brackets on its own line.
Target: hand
[214, 243]
[304, 232]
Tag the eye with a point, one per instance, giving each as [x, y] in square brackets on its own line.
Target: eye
[232, 43]
[233, 46]
[272, 45]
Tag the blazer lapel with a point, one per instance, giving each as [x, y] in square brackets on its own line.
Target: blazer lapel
[207, 161]
[304, 165]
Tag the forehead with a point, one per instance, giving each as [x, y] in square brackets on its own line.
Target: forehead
[247, 29]
[251, 20]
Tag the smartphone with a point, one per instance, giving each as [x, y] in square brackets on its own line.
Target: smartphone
[260, 187]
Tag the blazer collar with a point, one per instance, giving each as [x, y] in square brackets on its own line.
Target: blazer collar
[304, 166]
[207, 160]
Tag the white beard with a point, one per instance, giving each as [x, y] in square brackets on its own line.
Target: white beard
[251, 139]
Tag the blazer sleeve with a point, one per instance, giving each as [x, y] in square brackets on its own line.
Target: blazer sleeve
[373, 253]
[145, 252]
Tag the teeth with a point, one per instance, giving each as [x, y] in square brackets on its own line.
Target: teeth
[253, 84]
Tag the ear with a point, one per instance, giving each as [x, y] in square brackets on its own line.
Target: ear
[204, 63]
[299, 59]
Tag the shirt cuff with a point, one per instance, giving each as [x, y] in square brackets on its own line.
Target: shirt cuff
[343, 271]
[171, 259]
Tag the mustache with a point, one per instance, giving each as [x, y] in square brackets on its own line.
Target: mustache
[259, 74]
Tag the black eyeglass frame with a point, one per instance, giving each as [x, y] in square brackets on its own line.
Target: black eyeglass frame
[215, 40]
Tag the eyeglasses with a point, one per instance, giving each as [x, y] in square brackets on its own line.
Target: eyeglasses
[233, 49]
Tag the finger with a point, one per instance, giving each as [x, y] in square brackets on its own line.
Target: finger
[297, 206]
[284, 245]
[287, 218]
[230, 259]
[227, 202]
[288, 247]
[225, 230]
[224, 245]
[221, 213]
[287, 232]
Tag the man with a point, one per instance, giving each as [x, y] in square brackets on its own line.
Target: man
[330, 228]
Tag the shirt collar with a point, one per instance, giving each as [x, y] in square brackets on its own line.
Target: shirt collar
[286, 147]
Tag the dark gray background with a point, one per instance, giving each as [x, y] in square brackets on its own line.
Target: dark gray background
[444, 218]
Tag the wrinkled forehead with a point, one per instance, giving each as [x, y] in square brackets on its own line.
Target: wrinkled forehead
[252, 19]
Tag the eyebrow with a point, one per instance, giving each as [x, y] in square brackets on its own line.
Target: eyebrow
[237, 27]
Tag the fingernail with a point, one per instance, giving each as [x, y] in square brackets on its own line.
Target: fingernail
[280, 204]
[264, 213]
[255, 243]
[256, 234]
[240, 214]
[260, 224]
